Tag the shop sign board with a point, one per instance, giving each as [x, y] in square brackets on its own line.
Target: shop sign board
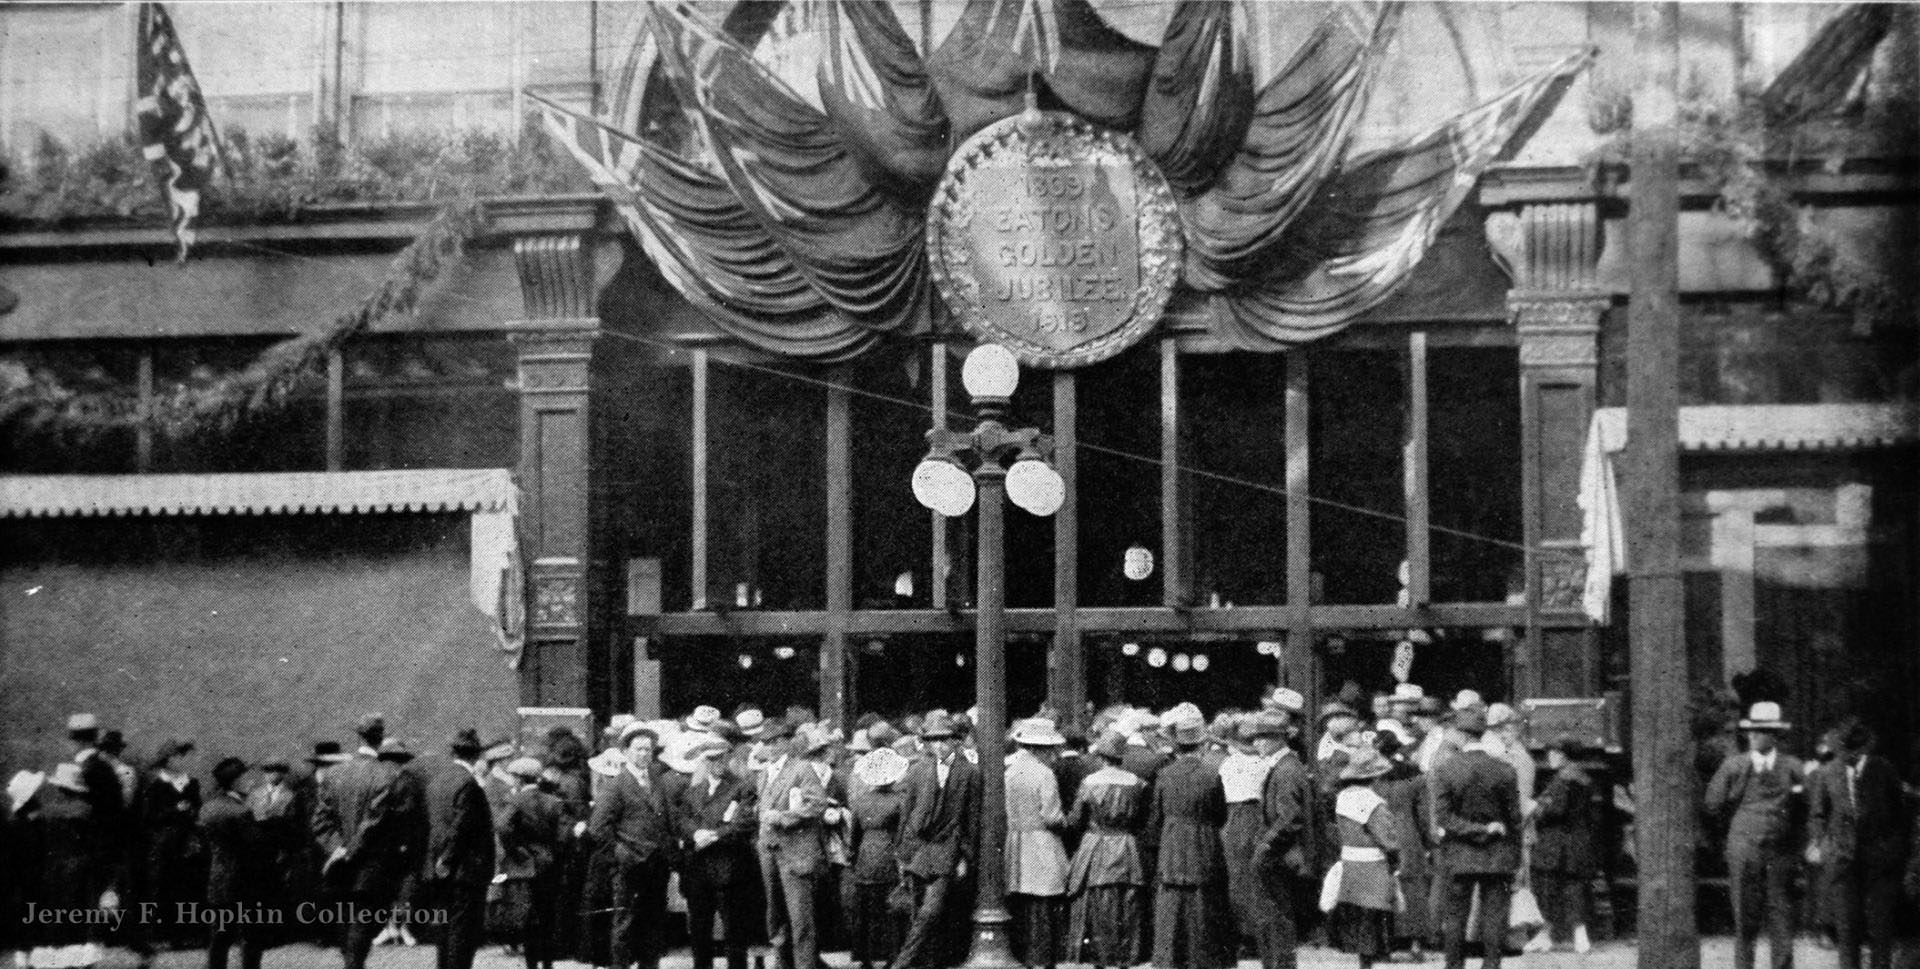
[1054, 238]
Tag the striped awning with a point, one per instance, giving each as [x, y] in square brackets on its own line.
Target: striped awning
[293, 492]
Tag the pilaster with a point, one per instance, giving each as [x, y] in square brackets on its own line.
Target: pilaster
[1552, 251]
[563, 664]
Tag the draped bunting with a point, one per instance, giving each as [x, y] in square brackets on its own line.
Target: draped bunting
[983, 66]
[1296, 140]
[862, 248]
[1201, 96]
[800, 229]
[879, 96]
[701, 238]
[1374, 222]
[1821, 77]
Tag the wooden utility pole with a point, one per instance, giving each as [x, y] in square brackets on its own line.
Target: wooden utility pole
[1662, 740]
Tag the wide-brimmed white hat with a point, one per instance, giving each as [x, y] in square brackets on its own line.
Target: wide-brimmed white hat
[1036, 732]
[67, 777]
[880, 767]
[1764, 716]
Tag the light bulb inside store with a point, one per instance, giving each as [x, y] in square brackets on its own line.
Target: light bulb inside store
[1033, 485]
[783, 652]
[746, 662]
[943, 487]
[1200, 662]
[1129, 649]
[990, 371]
[960, 659]
[1156, 657]
[1182, 662]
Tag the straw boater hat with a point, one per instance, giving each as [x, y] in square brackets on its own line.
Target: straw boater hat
[1036, 732]
[1468, 700]
[1408, 693]
[1182, 713]
[633, 727]
[703, 718]
[1367, 763]
[1500, 714]
[83, 725]
[619, 722]
[524, 767]
[1764, 716]
[750, 721]
[880, 767]
[1288, 700]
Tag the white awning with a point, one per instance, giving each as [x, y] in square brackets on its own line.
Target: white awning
[497, 581]
[1776, 427]
[1721, 428]
[293, 492]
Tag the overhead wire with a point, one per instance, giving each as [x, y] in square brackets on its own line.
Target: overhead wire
[829, 384]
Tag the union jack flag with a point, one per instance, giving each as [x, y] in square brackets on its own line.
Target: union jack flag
[176, 134]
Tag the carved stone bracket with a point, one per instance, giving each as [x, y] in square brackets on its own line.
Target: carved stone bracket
[558, 279]
[1552, 247]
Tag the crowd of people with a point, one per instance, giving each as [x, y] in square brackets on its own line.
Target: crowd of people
[1388, 829]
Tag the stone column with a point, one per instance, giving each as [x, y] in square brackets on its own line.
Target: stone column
[565, 659]
[1556, 307]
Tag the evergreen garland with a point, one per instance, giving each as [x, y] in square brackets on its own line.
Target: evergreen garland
[38, 403]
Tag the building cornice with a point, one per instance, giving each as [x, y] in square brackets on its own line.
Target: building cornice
[508, 217]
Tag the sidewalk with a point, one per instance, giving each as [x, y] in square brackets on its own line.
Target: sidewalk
[1716, 953]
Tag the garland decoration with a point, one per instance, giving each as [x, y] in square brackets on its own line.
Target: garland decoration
[37, 402]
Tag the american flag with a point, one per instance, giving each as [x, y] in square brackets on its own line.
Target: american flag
[176, 134]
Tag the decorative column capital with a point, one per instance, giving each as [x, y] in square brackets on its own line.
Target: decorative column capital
[1558, 328]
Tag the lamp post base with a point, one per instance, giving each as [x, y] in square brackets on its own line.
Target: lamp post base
[992, 946]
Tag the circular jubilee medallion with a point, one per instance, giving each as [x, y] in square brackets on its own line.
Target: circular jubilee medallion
[1054, 238]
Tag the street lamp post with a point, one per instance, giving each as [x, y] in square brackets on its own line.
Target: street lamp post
[1007, 462]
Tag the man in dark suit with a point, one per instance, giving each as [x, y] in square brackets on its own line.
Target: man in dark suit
[237, 860]
[459, 858]
[1281, 859]
[1763, 789]
[940, 808]
[718, 816]
[1477, 809]
[635, 814]
[368, 823]
[1858, 829]
[798, 801]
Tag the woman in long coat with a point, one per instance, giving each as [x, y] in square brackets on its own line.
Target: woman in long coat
[1106, 878]
[875, 801]
[1366, 894]
[1036, 859]
[173, 859]
[1405, 789]
[1566, 849]
[1192, 921]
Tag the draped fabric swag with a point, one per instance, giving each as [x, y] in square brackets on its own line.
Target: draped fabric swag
[801, 229]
